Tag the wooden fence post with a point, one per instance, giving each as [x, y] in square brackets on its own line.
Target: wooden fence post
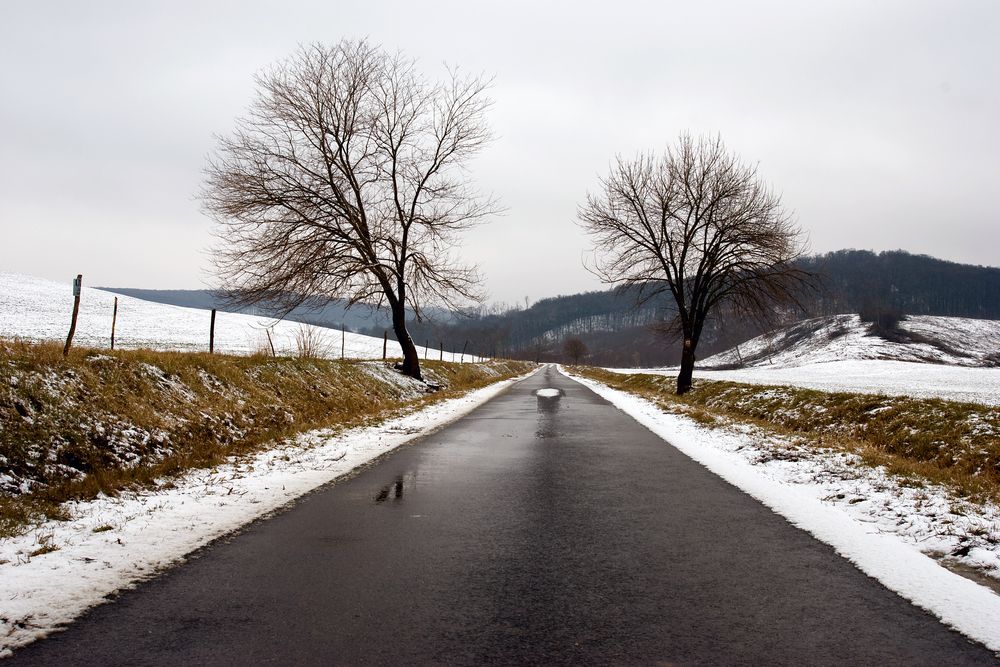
[343, 336]
[77, 287]
[114, 320]
[385, 342]
[211, 335]
[426, 343]
[441, 358]
[271, 343]
[462, 360]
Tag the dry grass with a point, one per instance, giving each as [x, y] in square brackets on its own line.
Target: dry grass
[924, 440]
[102, 422]
[46, 548]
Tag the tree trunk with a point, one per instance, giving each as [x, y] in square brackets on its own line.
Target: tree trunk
[411, 360]
[684, 380]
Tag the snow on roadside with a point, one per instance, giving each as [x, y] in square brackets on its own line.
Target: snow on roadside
[111, 543]
[887, 530]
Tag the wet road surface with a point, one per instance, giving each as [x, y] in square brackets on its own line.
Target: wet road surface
[536, 530]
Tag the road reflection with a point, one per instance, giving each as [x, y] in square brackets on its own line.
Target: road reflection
[548, 405]
[394, 490]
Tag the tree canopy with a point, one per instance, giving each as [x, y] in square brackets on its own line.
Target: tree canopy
[698, 224]
[346, 179]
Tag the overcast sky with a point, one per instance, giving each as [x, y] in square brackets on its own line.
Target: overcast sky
[879, 122]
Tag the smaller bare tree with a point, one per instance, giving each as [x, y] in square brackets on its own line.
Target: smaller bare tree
[698, 224]
[575, 349]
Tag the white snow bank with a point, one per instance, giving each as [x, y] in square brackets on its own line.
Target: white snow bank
[39, 310]
[110, 543]
[865, 515]
[897, 378]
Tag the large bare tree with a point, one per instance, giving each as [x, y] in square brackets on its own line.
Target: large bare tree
[347, 179]
[697, 223]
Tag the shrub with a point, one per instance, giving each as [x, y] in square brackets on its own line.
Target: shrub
[884, 320]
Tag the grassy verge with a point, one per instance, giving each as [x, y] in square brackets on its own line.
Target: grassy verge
[922, 440]
[100, 422]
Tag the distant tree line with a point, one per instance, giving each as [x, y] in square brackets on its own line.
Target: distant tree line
[539, 330]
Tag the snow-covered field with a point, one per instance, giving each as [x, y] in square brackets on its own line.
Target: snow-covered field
[836, 354]
[897, 534]
[36, 309]
[110, 543]
[894, 378]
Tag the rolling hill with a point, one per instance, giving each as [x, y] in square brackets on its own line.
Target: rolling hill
[951, 358]
[956, 341]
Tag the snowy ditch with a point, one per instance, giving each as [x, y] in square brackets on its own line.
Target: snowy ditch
[51, 575]
[913, 540]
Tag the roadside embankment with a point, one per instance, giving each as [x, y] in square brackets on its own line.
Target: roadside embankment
[101, 422]
[923, 440]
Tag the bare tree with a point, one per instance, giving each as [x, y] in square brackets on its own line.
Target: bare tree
[699, 224]
[575, 349]
[347, 179]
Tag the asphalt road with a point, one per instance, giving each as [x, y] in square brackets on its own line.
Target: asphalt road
[533, 531]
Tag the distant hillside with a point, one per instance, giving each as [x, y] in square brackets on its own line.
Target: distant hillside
[956, 341]
[618, 332]
[332, 315]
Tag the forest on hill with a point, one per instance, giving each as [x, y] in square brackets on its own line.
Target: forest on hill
[912, 284]
[618, 331]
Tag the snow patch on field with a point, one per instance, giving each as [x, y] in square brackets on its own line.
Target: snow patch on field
[896, 534]
[35, 309]
[953, 358]
[111, 543]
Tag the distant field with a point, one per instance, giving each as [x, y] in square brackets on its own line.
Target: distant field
[953, 358]
[35, 309]
[894, 378]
